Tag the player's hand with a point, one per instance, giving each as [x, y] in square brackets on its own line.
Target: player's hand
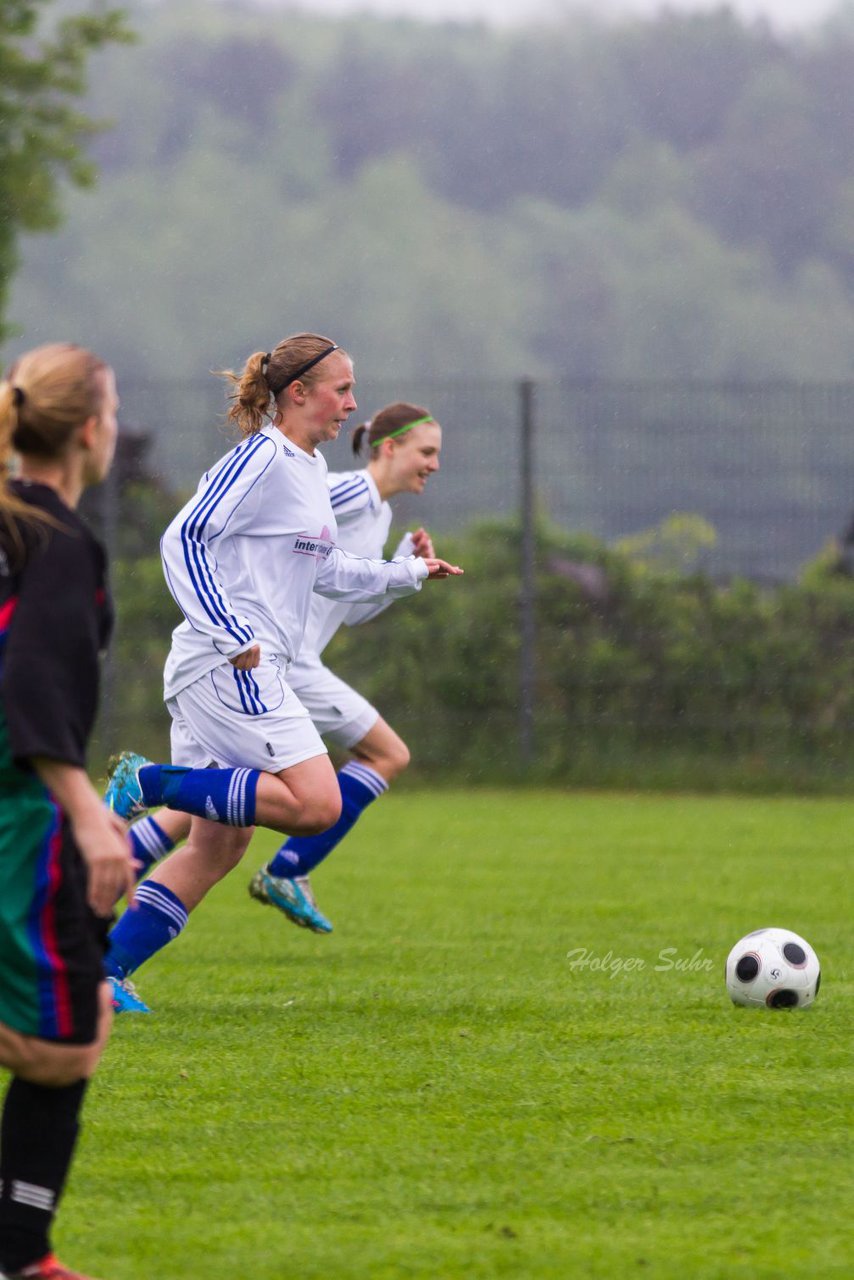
[441, 568]
[102, 840]
[248, 660]
[422, 545]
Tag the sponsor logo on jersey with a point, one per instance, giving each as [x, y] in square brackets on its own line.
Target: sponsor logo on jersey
[319, 546]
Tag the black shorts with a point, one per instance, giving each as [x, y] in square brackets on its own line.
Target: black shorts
[51, 943]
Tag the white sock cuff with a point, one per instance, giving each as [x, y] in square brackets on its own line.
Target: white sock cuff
[368, 777]
[149, 894]
[152, 837]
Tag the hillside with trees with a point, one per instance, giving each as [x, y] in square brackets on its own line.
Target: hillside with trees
[660, 198]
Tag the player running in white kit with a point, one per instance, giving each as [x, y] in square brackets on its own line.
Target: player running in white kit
[242, 559]
[404, 442]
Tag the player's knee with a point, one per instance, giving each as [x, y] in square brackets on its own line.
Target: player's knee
[221, 854]
[62, 1075]
[384, 752]
[322, 813]
[55, 1066]
[398, 760]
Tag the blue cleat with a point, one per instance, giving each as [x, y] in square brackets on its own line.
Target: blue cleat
[293, 897]
[124, 793]
[124, 998]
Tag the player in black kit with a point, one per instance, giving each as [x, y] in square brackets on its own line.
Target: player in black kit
[64, 858]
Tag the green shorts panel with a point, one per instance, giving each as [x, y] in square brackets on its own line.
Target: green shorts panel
[51, 945]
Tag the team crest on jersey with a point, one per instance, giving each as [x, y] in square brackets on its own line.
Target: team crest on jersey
[319, 546]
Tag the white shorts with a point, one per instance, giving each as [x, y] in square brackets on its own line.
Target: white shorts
[338, 711]
[241, 719]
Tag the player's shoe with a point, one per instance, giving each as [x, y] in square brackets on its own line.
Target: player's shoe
[293, 897]
[47, 1268]
[124, 998]
[124, 793]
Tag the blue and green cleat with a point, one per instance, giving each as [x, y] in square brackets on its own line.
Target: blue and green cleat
[124, 792]
[124, 998]
[293, 897]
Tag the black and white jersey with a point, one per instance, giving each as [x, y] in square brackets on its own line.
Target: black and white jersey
[55, 621]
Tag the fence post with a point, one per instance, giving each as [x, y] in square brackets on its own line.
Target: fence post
[110, 502]
[527, 586]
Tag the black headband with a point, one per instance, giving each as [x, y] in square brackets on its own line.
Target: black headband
[293, 377]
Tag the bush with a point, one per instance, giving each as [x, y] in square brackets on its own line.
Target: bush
[643, 676]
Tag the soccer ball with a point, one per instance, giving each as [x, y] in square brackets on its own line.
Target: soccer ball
[774, 969]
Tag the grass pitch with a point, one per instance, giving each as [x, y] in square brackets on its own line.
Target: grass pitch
[514, 1057]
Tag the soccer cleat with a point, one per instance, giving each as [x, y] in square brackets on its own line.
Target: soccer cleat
[124, 998]
[293, 897]
[47, 1268]
[124, 793]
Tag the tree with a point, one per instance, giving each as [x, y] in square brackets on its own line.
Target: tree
[43, 60]
[770, 177]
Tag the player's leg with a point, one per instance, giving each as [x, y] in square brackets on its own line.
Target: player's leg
[153, 837]
[213, 850]
[378, 758]
[232, 797]
[39, 1125]
[266, 787]
[162, 903]
[54, 1021]
[55, 1063]
[378, 754]
[289, 785]
[177, 885]
[383, 750]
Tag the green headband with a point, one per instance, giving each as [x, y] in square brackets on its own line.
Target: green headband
[428, 417]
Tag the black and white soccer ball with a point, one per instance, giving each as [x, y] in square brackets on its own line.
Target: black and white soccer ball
[773, 969]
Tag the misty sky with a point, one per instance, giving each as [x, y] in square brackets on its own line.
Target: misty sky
[783, 13]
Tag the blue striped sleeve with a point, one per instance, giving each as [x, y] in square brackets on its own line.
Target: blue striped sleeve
[349, 493]
[189, 563]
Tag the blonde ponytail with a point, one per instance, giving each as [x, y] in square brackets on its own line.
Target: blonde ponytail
[49, 392]
[250, 397]
[267, 373]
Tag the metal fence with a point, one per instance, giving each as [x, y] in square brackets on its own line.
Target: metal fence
[771, 466]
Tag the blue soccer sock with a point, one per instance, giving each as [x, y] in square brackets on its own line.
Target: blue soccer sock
[222, 795]
[156, 917]
[360, 785]
[150, 843]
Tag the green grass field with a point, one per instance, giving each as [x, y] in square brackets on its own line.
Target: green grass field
[437, 1091]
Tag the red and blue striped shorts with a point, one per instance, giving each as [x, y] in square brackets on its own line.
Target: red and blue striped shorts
[51, 943]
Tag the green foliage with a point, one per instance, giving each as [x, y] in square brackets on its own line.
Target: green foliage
[644, 675]
[42, 136]
[443, 1088]
[666, 197]
[675, 543]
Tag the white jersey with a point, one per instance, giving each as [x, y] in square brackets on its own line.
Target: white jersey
[363, 520]
[244, 556]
